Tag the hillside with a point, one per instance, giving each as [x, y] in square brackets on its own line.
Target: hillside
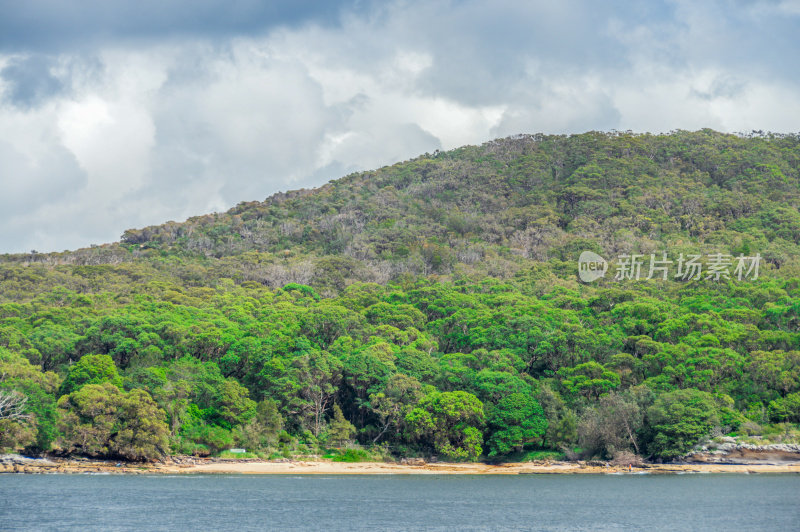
[431, 307]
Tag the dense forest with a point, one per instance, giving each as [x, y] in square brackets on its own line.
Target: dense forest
[430, 308]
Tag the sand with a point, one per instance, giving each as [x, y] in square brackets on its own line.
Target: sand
[377, 468]
[371, 468]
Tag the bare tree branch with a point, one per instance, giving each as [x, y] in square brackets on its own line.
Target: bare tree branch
[12, 405]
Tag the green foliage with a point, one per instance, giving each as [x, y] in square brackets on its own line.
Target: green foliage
[235, 407]
[514, 417]
[614, 424]
[679, 420]
[15, 435]
[263, 431]
[36, 429]
[340, 430]
[786, 408]
[318, 374]
[102, 421]
[590, 379]
[241, 456]
[449, 422]
[391, 405]
[515, 421]
[353, 455]
[303, 289]
[203, 439]
[90, 369]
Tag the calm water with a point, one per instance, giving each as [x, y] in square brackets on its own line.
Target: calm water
[525, 502]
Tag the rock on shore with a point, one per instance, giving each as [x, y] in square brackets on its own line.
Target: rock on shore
[731, 452]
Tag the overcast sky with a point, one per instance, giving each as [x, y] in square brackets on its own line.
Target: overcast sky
[123, 114]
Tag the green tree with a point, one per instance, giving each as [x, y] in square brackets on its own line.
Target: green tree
[514, 417]
[786, 408]
[590, 379]
[562, 423]
[233, 403]
[515, 421]
[32, 394]
[15, 432]
[450, 423]
[678, 420]
[340, 431]
[141, 429]
[263, 430]
[392, 403]
[318, 375]
[101, 420]
[611, 426]
[90, 369]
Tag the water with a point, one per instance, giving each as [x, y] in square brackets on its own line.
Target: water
[524, 502]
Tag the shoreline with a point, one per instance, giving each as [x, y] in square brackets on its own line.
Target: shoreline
[555, 468]
[319, 467]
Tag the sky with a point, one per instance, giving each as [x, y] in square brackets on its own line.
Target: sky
[124, 114]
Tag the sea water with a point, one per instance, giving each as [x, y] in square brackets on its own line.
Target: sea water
[400, 502]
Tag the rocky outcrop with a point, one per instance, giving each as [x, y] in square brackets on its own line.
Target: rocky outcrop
[16, 463]
[731, 452]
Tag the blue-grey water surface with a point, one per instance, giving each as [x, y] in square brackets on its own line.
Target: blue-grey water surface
[524, 502]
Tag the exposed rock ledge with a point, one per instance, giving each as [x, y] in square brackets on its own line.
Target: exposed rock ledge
[19, 460]
[745, 453]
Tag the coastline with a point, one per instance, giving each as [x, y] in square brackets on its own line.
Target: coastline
[373, 468]
[319, 467]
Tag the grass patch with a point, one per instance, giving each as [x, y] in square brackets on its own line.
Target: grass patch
[353, 455]
[228, 454]
[530, 456]
[544, 455]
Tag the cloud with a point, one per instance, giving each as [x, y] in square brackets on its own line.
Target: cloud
[56, 25]
[30, 80]
[113, 117]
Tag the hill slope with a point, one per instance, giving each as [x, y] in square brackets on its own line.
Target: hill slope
[431, 307]
[488, 208]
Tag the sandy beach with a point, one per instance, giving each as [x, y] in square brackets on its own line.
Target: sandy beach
[296, 467]
[338, 468]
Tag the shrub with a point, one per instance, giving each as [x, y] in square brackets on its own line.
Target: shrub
[679, 420]
[353, 455]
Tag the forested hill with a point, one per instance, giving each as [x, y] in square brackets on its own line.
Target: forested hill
[538, 197]
[494, 208]
[430, 308]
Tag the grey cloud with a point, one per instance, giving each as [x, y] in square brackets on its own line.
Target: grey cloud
[30, 193]
[752, 38]
[30, 80]
[385, 144]
[57, 24]
[482, 51]
[721, 87]
[324, 174]
[239, 132]
[208, 104]
[26, 183]
[33, 79]
[580, 112]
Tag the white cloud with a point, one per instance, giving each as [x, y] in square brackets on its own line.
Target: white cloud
[140, 132]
